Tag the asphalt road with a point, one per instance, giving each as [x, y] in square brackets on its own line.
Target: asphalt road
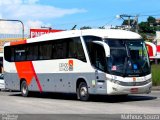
[65, 106]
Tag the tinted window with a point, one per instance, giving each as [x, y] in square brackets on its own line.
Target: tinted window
[45, 50]
[76, 49]
[8, 54]
[88, 41]
[20, 53]
[116, 43]
[98, 56]
[56, 49]
[60, 49]
[32, 52]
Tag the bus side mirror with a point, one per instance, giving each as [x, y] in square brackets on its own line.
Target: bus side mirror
[107, 50]
[106, 47]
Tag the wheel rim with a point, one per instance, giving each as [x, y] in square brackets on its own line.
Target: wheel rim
[83, 91]
[24, 89]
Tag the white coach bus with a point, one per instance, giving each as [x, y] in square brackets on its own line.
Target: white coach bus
[85, 62]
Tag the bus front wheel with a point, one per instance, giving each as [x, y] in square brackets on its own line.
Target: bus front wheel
[24, 89]
[82, 92]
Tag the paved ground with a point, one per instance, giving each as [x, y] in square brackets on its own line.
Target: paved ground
[47, 103]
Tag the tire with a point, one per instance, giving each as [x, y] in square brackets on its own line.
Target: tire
[24, 89]
[123, 96]
[82, 92]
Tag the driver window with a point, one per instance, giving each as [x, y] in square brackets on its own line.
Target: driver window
[98, 56]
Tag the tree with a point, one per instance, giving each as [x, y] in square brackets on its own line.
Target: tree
[101, 27]
[148, 27]
[151, 20]
[85, 27]
[144, 27]
[144, 36]
[125, 22]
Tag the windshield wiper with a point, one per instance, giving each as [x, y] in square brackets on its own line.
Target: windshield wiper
[125, 65]
[126, 60]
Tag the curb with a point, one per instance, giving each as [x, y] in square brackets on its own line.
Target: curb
[156, 88]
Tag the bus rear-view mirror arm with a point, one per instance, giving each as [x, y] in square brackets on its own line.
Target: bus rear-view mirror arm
[106, 47]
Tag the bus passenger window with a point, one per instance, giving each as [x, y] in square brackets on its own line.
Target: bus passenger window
[59, 50]
[20, 53]
[76, 49]
[45, 51]
[9, 53]
[32, 52]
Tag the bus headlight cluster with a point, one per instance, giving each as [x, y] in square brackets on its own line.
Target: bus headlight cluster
[114, 81]
[149, 80]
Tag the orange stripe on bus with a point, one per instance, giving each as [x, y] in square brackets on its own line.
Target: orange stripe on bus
[18, 42]
[26, 69]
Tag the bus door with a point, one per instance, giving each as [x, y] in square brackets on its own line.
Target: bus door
[98, 58]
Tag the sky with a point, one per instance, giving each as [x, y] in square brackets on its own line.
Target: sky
[64, 14]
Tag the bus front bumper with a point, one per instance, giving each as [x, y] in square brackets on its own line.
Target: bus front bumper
[117, 89]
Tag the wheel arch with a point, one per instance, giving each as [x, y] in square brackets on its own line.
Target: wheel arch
[79, 80]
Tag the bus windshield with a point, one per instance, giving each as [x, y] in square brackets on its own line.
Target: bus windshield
[127, 58]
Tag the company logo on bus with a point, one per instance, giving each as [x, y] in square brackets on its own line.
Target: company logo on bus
[134, 79]
[66, 66]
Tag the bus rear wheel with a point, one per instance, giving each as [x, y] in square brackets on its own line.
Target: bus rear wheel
[24, 89]
[82, 92]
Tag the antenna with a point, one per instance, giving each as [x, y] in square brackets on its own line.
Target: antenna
[74, 27]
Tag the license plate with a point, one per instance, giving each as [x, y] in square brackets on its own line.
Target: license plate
[134, 90]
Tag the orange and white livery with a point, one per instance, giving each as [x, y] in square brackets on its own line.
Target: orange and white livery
[84, 62]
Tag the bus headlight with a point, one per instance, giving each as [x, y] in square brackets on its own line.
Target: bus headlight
[113, 81]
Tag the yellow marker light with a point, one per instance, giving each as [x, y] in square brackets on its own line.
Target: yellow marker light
[93, 83]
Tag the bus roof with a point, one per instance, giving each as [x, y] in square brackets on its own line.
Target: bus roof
[112, 33]
[104, 33]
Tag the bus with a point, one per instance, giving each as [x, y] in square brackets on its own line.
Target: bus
[2, 85]
[83, 62]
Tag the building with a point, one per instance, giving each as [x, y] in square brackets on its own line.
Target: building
[158, 37]
[9, 38]
[158, 21]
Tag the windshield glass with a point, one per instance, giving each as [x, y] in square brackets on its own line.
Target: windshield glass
[127, 57]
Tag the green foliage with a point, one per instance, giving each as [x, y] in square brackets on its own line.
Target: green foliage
[156, 74]
[148, 27]
[85, 27]
[125, 22]
[102, 27]
[157, 28]
[132, 22]
[151, 19]
[144, 36]
[144, 27]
